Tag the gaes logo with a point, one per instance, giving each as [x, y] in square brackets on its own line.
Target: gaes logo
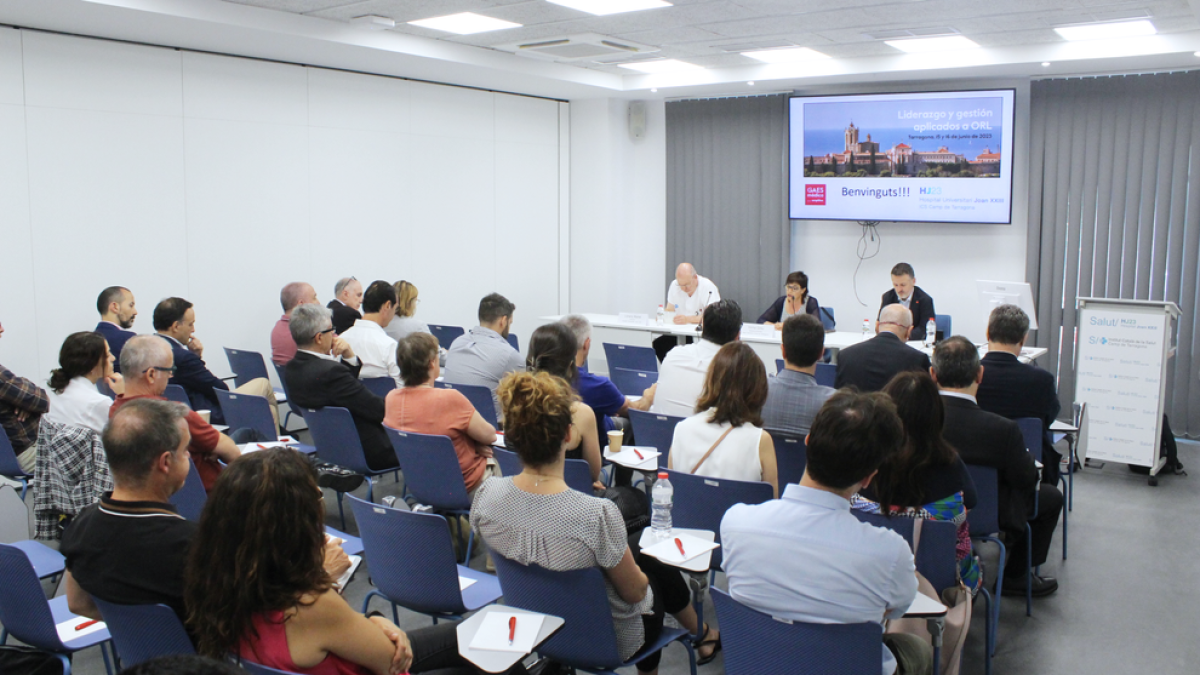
[814, 195]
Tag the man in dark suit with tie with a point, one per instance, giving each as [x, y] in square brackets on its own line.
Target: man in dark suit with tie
[325, 373]
[986, 439]
[347, 298]
[1013, 389]
[906, 292]
[870, 365]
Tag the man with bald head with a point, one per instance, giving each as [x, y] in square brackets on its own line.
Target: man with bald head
[283, 347]
[687, 296]
[870, 365]
[347, 298]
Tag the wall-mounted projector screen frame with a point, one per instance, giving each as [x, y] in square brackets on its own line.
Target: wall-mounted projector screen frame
[930, 157]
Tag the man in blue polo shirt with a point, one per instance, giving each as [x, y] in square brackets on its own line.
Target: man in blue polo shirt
[597, 391]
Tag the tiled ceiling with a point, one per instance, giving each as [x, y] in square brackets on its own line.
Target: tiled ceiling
[709, 33]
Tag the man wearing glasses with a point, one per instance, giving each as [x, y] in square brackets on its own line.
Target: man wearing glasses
[872, 364]
[147, 365]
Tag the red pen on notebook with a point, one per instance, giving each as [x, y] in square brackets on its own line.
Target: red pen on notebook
[85, 624]
[635, 450]
[679, 544]
[512, 628]
[261, 446]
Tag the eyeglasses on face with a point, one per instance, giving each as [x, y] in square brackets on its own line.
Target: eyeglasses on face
[163, 369]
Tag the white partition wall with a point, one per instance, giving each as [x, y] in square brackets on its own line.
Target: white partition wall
[220, 179]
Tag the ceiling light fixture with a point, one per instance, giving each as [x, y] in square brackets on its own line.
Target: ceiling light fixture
[464, 23]
[373, 22]
[1099, 31]
[789, 55]
[933, 44]
[606, 7]
[661, 66]
[751, 83]
[654, 90]
[1045, 64]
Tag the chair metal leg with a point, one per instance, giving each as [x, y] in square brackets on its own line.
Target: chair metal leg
[470, 543]
[341, 511]
[1028, 570]
[104, 652]
[66, 663]
[3, 636]
[988, 647]
[1066, 487]
[370, 489]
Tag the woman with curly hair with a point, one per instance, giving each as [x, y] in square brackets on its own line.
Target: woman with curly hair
[552, 349]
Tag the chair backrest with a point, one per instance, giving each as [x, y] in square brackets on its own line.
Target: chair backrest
[577, 472]
[380, 386]
[632, 382]
[8, 459]
[701, 502]
[654, 430]
[935, 557]
[512, 340]
[791, 456]
[984, 519]
[578, 596]
[445, 334]
[246, 365]
[296, 410]
[431, 470]
[756, 643]
[411, 557]
[336, 438]
[14, 516]
[630, 357]
[103, 388]
[190, 498]
[247, 411]
[176, 393]
[780, 364]
[944, 325]
[1031, 431]
[826, 374]
[144, 632]
[510, 463]
[24, 610]
[827, 319]
[479, 396]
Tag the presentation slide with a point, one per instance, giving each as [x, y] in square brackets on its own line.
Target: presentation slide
[924, 157]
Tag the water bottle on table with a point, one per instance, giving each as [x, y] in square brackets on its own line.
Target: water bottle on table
[660, 515]
[930, 332]
[866, 329]
[659, 317]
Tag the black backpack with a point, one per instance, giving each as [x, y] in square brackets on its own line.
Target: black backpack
[28, 661]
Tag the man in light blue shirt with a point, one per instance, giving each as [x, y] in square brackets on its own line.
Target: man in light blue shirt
[793, 396]
[483, 356]
[805, 557]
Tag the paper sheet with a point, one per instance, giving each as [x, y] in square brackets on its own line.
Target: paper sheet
[493, 632]
[340, 584]
[627, 456]
[67, 631]
[668, 552]
[248, 448]
[464, 582]
[499, 441]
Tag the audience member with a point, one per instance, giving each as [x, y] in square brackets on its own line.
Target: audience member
[795, 300]
[483, 356]
[420, 408]
[406, 306]
[256, 584]
[574, 530]
[117, 312]
[725, 439]
[347, 298]
[681, 375]
[925, 478]
[131, 547]
[1013, 389]
[905, 292]
[83, 360]
[283, 347]
[597, 391]
[805, 557]
[870, 365]
[552, 350]
[325, 373]
[793, 396]
[147, 363]
[374, 347]
[687, 297]
[987, 439]
[22, 404]
[175, 322]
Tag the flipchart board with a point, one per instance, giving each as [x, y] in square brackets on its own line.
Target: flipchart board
[1124, 347]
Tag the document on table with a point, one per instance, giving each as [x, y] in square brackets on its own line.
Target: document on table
[77, 628]
[494, 631]
[628, 456]
[464, 582]
[340, 584]
[668, 551]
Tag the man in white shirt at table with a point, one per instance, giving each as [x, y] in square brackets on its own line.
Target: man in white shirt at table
[681, 375]
[687, 297]
[374, 347]
[805, 557]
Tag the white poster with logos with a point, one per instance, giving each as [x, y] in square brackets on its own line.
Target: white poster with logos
[1119, 373]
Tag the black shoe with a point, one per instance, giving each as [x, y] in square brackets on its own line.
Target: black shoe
[1042, 586]
[336, 478]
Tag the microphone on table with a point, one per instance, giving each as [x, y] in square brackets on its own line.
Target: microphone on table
[700, 326]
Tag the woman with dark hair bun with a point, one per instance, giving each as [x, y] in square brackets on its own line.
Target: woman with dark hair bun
[83, 360]
[552, 350]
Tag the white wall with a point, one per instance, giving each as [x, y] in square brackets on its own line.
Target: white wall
[220, 179]
[947, 258]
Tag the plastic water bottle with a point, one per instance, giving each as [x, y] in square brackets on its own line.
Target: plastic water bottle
[660, 316]
[866, 328]
[930, 332]
[660, 516]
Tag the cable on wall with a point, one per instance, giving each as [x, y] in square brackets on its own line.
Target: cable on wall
[869, 227]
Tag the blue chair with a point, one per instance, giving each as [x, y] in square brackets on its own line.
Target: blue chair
[944, 324]
[292, 407]
[577, 472]
[630, 357]
[826, 374]
[701, 502]
[189, 500]
[246, 411]
[587, 640]
[1033, 432]
[779, 366]
[512, 340]
[827, 320]
[655, 431]
[411, 556]
[380, 386]
[144, 632]
[479, 396]
[30, 618]
[984, 523]
[445, 334]
[176, 393]
[9, 468]
[103, 388]
[432, 474]
[757, 643]
[632, 382]
[14, 530]
[246, 365]
[337, 442]
[791, 456]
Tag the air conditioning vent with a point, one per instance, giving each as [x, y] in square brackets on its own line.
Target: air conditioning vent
[585, 46]
[910, 32]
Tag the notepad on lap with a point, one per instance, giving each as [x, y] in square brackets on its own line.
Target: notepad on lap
[668, 552]
[493, 632]
[67, 629]
[340, 584]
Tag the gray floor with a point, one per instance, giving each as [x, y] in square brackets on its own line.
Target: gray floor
[1128, 601]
